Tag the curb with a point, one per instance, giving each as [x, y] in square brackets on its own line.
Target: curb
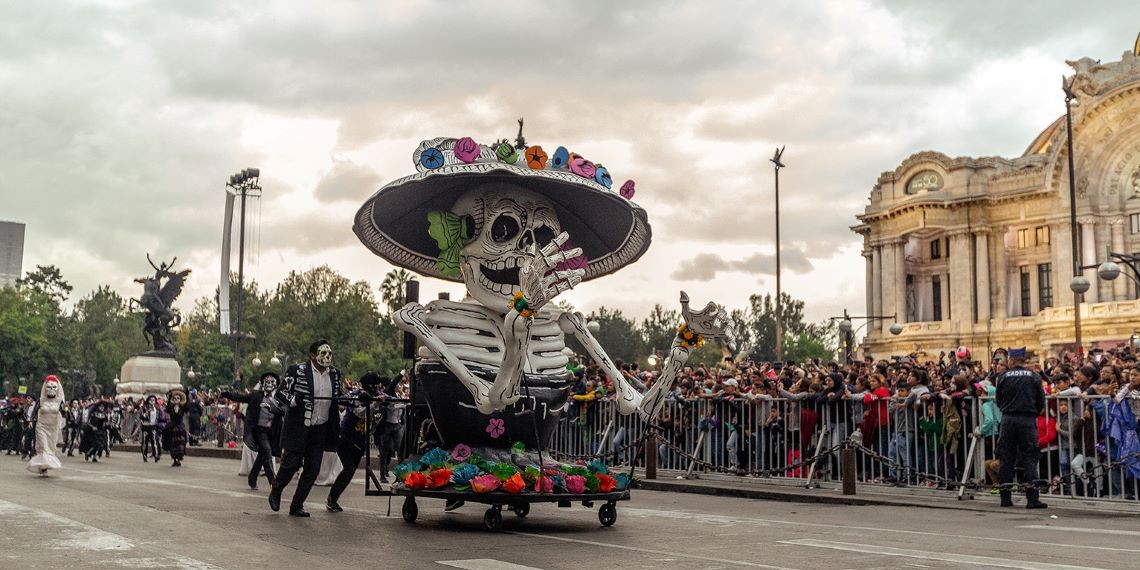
[761, 494]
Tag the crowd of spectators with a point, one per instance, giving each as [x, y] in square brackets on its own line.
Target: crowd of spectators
[915, 418]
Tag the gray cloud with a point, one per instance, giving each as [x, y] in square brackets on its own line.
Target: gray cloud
[706, 266]
[347, 181]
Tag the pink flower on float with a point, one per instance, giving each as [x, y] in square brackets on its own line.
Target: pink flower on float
[627, 190]
[496, 427]
[466, 149]
[461, 452]
[582, 167]
[576, 484]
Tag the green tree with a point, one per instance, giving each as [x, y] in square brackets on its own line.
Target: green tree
[48, 280]
[760, 330]
[392, 289]
[105, 334]
[618, 335]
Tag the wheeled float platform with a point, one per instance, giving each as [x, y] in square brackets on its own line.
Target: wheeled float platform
[517, 503]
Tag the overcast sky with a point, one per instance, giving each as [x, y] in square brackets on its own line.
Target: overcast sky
[121, 121]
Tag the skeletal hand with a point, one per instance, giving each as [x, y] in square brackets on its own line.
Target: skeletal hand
[710, 322]
[539, 281]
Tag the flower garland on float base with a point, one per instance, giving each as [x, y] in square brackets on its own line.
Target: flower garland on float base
[462, 470]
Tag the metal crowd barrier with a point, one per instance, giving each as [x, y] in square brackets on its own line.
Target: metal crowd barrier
[929, 443]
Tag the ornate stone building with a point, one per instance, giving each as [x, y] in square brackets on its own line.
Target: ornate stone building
[978, 251]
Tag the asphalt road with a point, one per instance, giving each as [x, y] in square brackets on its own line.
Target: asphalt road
[122, 513]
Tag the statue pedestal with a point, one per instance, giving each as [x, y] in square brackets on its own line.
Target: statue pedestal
[144, 375]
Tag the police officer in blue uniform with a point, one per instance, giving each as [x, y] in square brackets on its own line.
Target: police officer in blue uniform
[1021, 399]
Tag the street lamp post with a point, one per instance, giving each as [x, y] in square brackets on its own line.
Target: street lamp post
[243, 184]
[847, 333]
[1076, 284]
[778, 164]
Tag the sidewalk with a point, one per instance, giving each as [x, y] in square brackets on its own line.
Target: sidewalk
[794, 491]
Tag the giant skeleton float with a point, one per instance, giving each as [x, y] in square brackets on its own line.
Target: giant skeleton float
[517, 226]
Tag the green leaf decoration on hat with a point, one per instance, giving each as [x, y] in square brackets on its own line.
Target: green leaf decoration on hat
[450, 231]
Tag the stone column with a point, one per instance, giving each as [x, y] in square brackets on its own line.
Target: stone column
[944, 283]
[982, 270]
[1034, 289]
[961, 282]
[876, 280]
[899, 282]
[1061, 242]
[1120, 285]
[1001, 273]
[868, 282]
[1088, 257]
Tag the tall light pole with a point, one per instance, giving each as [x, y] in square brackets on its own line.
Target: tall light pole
[779, 312]
[1079, 284]
[241, 185]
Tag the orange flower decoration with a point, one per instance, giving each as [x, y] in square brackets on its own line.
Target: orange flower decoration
[439, 478]
[606, 483]
[536, 158]
[514, 484]
[416, 480]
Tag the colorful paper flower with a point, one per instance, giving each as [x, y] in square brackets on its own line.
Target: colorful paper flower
[592, 483]
[544, 485]
[463, 474]
[518, 447]
[434, 457]
[403, 469]
[576, 484]
[502, 471]
[439, 478]
[602, 176]
[496, 427]
[627, 190]
[460, 452]
[622, 480]
[506, 152]
[514, 484]
[597, 466]
[536, 157]
[606, 483]
[466, 150]
[559, 482]
[431, 158]
[485, 483]
[530, 473]
[416, 480]
[582, 167]
[561, 158]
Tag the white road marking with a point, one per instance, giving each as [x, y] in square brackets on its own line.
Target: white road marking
[1078, 529]
[926, 555]
[879, 529]
[694, 517]
[651, 551]
[484, 564]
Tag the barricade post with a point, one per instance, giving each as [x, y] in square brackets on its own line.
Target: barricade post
[650, 447]
[848, 457]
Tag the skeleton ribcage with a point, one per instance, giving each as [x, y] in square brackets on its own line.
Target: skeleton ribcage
[472, 332]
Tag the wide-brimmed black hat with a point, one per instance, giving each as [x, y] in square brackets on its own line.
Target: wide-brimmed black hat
[612, 230]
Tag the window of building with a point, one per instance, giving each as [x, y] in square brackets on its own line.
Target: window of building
[946, 250]
[1135, 218]
[936, 249]
[1045, 285]
[936, 285]
[1025, 297]
[1022, 239]
[1042, 235]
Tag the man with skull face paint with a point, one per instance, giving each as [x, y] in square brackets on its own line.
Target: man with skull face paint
[307, 397]
[262, 426]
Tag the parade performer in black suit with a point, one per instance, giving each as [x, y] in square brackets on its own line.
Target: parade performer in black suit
[354, 436]
[307, 398]
[262, 430]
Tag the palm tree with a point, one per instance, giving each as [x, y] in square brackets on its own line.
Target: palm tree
[392, 289]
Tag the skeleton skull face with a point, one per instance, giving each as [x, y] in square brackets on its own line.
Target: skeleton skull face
[508, 219]
[268, 384]
[177, 398]
[51, 390]
[323, 356]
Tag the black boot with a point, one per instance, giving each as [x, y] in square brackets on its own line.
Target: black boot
[1006, 498]
[1033, 500]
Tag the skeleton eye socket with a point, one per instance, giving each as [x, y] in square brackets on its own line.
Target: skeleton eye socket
[504, 228]
[543, 235]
